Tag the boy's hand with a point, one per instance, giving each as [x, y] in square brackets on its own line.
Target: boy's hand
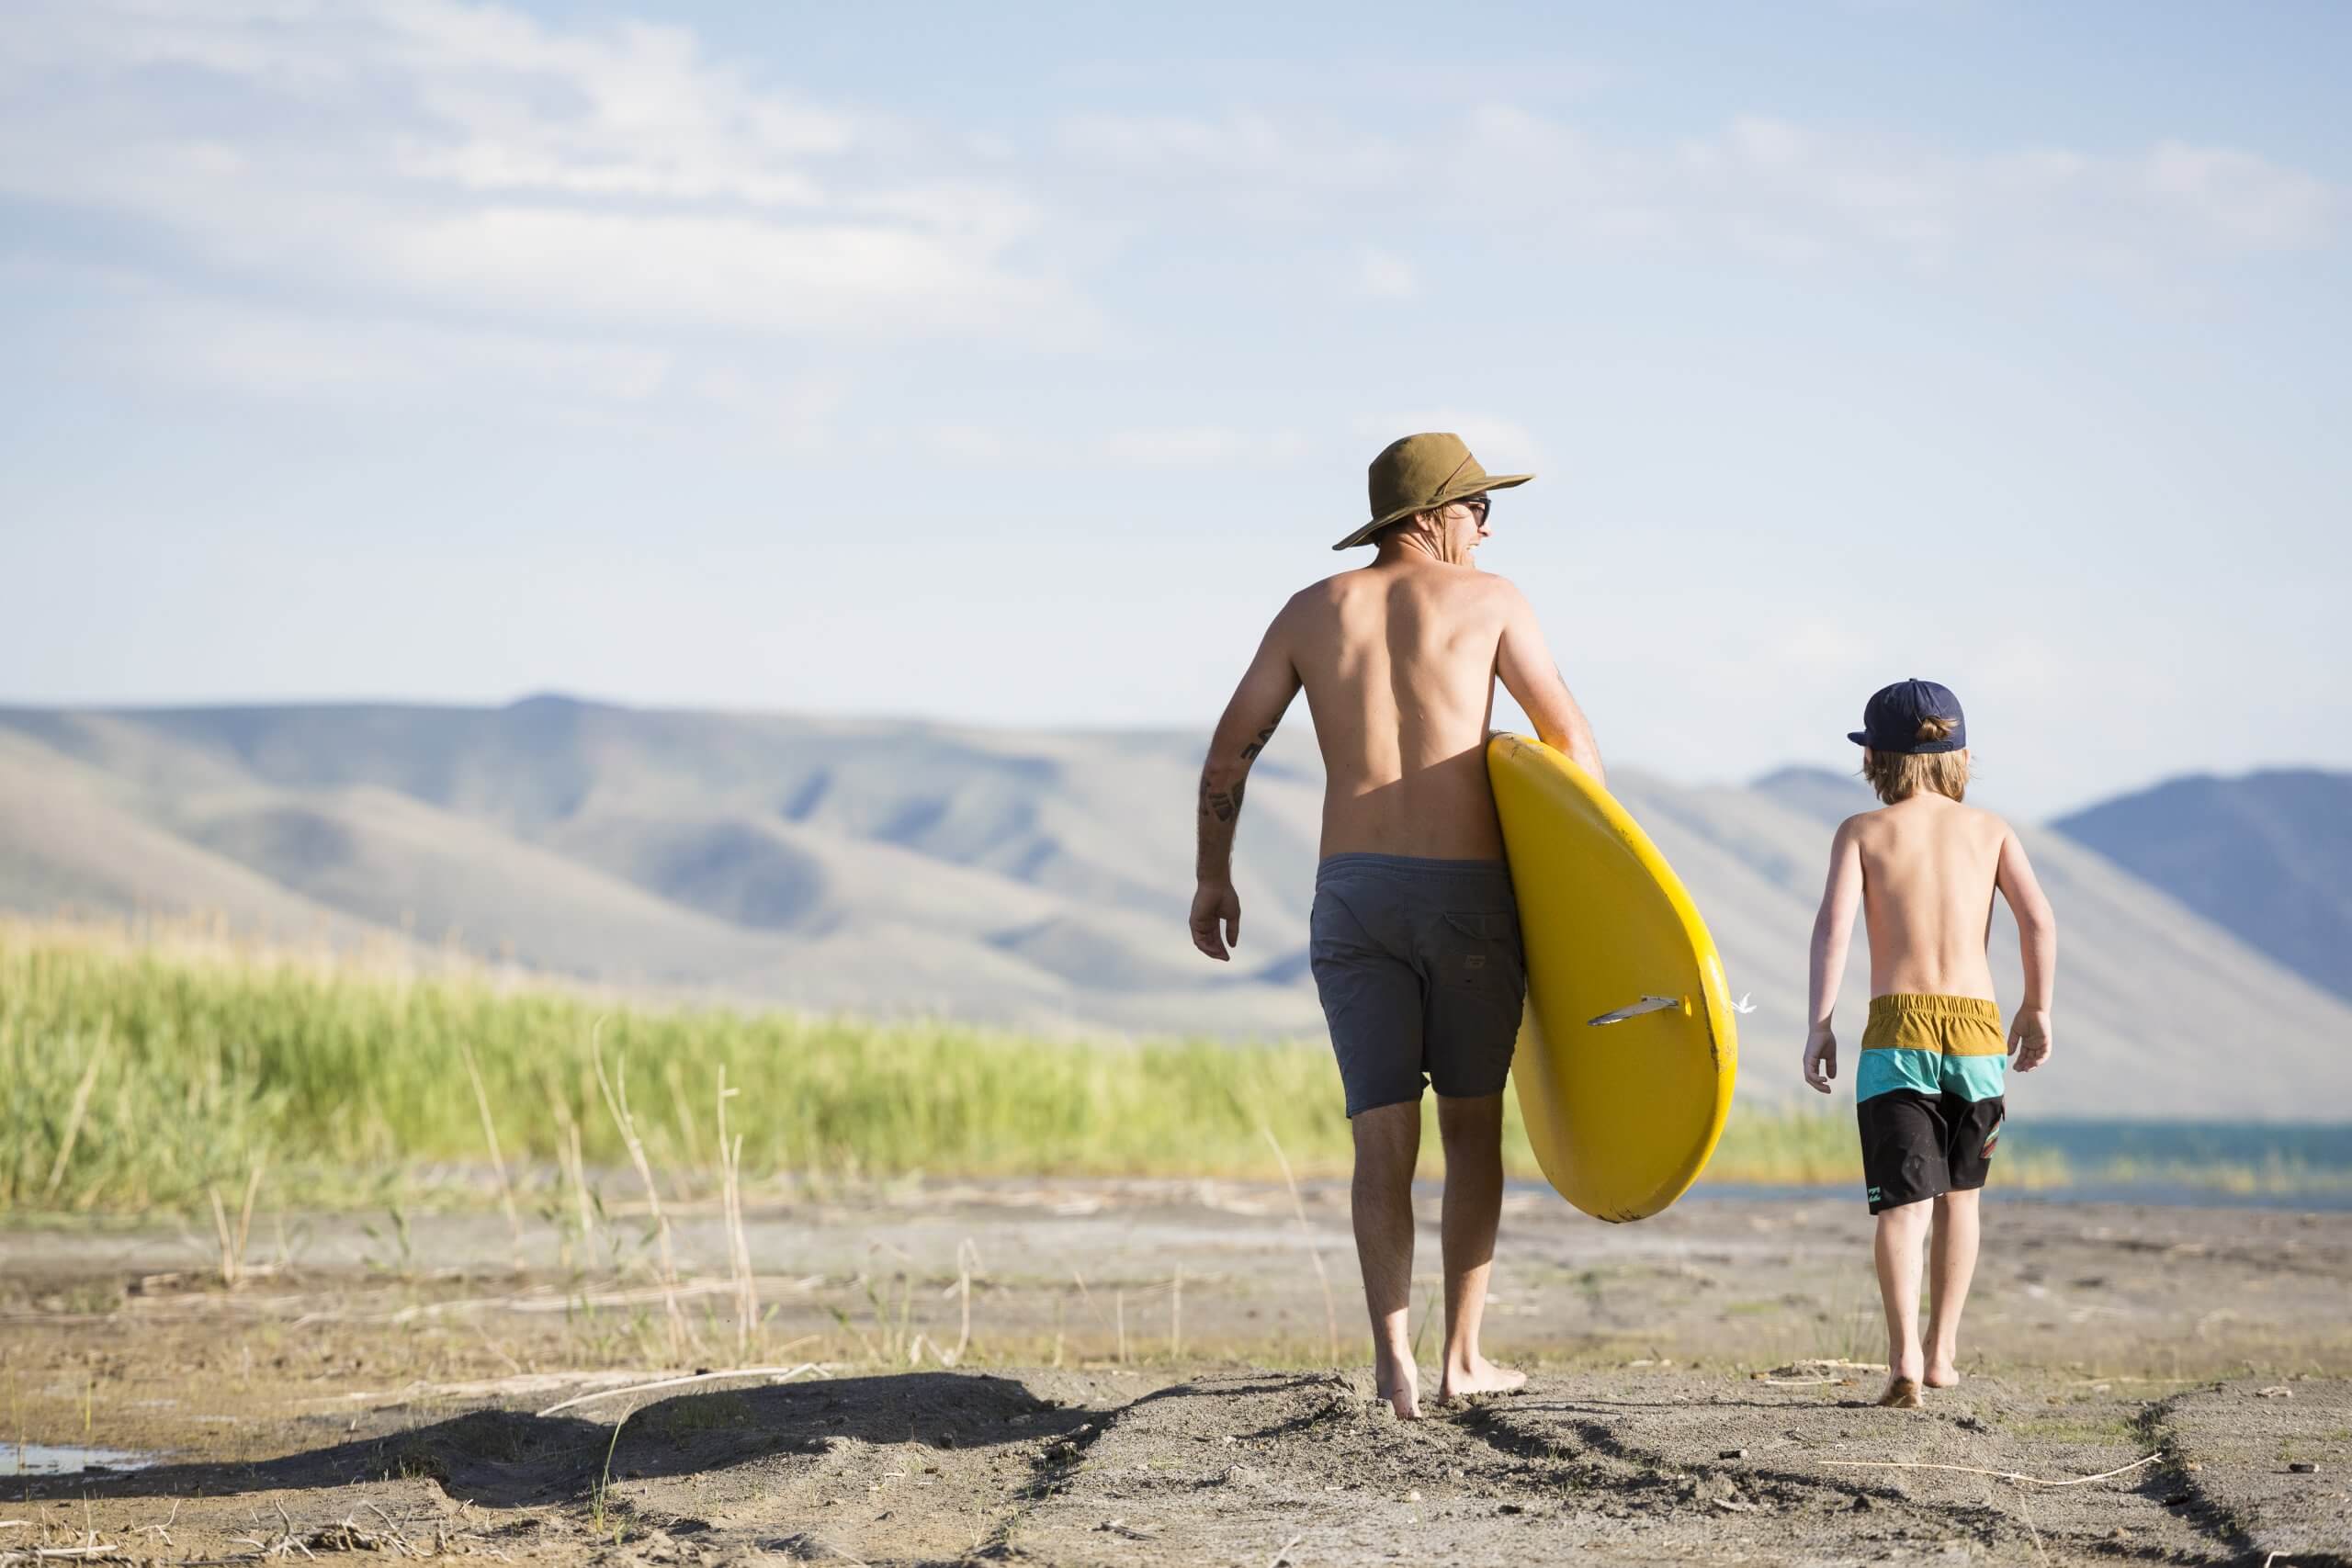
[1216, 903]
[1821, 1057]
[2029, 1040]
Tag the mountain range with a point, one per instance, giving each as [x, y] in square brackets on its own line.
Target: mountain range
[1039, 880]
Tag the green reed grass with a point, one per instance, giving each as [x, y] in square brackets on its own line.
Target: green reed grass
[200, 1061]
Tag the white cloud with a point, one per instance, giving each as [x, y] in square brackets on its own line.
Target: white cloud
[1171, 446]
[724, 270]
[368, 359]
[1199, 446]
[1382, 275]
[1768, 187]
[470, 156]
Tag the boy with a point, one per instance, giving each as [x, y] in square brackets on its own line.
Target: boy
[1927, 1088]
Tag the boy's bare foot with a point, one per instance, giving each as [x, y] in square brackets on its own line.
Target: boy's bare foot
[1941, 1374]
[1901, 1394]
[1481, 1376]
[1398, 1382]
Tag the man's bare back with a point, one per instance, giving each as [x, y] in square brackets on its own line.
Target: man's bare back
[1398, 661]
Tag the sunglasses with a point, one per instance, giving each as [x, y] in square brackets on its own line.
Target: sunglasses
[1479, 506]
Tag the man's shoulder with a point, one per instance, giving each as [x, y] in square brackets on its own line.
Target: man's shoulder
[1324, 592]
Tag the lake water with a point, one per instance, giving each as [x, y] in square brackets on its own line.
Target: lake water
[65, 1459]
[2300, 1165]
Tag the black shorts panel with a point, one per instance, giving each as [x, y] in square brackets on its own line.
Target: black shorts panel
[1972, 1127]
[1917, 1146]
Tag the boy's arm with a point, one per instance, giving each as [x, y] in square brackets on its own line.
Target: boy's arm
[1524, 662]
[1833, 934]
[1258, 705]
[2037, 949]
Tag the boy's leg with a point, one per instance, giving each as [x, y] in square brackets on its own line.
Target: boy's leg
[1973, 1110]
[1472, 1133]
[1388, 1141]
[1902, 1236]
[1951, 1264]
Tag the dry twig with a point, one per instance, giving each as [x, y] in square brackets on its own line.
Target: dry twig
[81, 1105]
[780, 1374]
[1314, 1253]
[497, 1160]
[739, 1247]
[617, 1102]
[2009, 1475]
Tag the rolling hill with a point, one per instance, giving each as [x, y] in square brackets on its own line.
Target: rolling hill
[2267, 857]
[1038, 880]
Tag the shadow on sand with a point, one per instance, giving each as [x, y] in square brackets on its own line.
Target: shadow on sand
[504, 1459]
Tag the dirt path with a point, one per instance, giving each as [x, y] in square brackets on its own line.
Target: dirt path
[1696, 1393]
[1252, 1466]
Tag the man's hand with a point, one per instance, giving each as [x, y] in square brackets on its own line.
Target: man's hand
[2029, 1040]
[1821, 1057]
[1217, 902]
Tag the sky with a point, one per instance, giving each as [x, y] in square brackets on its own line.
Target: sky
[1010, 365]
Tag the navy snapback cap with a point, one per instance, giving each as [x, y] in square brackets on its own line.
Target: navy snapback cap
[1891, 721]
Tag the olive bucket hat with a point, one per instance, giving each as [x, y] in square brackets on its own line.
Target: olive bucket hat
[1421, 473]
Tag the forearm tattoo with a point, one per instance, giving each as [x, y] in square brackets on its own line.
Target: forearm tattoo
[1225, 805]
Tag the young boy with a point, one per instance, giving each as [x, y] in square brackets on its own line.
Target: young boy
[1927, 1088]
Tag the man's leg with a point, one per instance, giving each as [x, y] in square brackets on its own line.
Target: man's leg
[1472, 1133]
[1902, 1232]
[1388, 1143]
[1951, 1264]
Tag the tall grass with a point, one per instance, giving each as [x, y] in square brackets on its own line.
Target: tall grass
[140, 1073]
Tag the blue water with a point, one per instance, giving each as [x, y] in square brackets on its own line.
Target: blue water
[2320, 1146]
[2303, 1165]
[2160, 1194]
[65, 1459]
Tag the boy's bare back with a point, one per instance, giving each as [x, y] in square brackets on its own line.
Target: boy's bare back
[1930, 868]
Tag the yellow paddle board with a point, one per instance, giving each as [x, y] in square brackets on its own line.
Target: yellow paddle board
[1627, 1051]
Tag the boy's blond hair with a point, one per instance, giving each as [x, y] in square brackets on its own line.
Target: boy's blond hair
[1900, 775]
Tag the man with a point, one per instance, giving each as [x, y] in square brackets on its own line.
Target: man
[1414, 937]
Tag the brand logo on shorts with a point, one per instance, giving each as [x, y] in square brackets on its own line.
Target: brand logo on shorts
[1874, 1195]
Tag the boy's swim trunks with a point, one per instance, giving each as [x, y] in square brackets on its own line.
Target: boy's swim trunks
[1418, 963]
[1927, 1090]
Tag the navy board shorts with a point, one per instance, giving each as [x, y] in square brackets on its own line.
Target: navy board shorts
[1418, 965]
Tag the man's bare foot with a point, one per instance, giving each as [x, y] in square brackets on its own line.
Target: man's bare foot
[1397, 1381]
[1941, 1374]
[1901, 1394]
[1481, 1376]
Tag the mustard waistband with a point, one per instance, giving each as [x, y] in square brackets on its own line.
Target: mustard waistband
[1907, 1004]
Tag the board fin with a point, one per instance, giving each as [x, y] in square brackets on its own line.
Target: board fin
[1635, 1009]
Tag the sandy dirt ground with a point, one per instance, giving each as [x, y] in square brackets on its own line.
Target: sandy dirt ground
[1143, 1373]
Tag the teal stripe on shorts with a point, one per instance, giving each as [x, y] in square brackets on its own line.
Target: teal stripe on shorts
[1975, 1079]
[1883, 1069]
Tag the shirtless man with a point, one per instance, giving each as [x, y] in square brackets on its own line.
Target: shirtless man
[1929, 1087]
[1414, 933]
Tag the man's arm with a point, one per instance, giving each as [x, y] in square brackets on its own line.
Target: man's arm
[1524, 662]
[1249, 723]
[2037, 949]
[1833, 934]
